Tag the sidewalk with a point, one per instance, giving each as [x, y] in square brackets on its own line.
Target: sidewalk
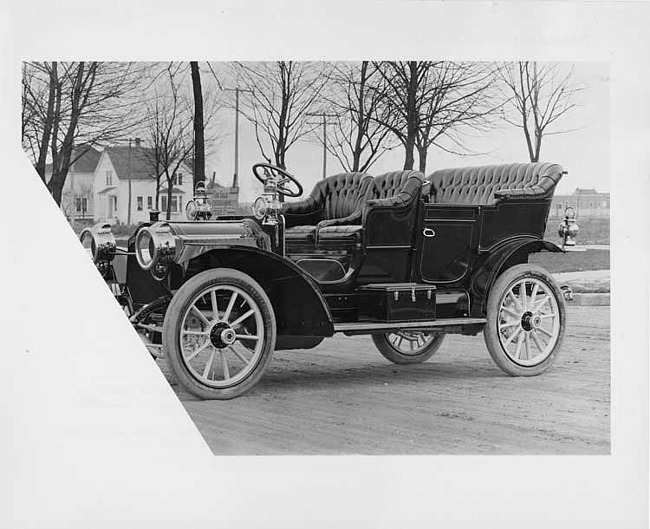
[590, 287]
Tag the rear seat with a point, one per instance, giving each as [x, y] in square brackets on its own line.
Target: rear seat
[489, 184]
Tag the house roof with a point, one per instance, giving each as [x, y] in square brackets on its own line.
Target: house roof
[86, 159]
[175, 190]
[131, 162]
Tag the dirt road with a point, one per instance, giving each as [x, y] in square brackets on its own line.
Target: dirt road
[344, 398]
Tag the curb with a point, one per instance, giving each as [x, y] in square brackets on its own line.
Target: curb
[590, 300]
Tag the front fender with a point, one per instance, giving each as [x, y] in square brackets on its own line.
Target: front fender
[499, 258]
[299, 306]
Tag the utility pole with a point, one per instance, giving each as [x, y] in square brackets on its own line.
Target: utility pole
[235, 179]
[324, 123]
[128, 213]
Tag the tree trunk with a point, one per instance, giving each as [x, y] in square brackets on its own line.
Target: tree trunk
[49, 122]
[199, 137]
[422, 154]
[411, 115]
[170, 187]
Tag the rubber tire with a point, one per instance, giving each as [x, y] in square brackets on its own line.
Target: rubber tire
[173, 320]
[490, 332]
[390, 353]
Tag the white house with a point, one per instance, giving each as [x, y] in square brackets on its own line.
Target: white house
[77, 195]
[123, 171]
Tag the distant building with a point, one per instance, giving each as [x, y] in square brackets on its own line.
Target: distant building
[587, 202]
[223, 200]
[123, 170]
[77, 200]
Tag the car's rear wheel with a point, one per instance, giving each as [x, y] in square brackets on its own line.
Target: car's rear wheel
[219, 334]
[408, 347]
[526, 320]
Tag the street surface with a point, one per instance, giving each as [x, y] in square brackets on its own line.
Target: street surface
[343, 397]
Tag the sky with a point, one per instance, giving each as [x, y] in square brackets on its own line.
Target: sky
[583, 152]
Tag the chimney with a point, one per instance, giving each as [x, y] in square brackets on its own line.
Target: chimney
[137, 142]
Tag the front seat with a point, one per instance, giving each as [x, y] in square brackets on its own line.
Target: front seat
[335, 203]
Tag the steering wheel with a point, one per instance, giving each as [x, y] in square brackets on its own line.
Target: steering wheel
[280, 176]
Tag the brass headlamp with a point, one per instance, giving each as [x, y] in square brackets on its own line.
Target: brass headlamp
[99, 242]
[155, 247]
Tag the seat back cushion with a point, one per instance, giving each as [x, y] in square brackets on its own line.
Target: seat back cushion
[489, 183]
[342, 194]
[389, 185]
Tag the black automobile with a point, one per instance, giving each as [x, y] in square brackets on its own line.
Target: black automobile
[400, 257]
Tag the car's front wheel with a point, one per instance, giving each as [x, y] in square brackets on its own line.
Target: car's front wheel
[526, 319]
[408, 347]
[219, 334]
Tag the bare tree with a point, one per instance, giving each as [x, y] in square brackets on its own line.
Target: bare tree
[75, 104]
[538, 96]
[282, 95]
[171, 126]
[358, 139]
[422, 102]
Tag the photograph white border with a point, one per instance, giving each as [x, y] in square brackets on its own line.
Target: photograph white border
[97, 438]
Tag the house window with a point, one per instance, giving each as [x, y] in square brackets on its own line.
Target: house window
[163, 203]
[174, 204]
[109, 178]
[81, 204]
[177, 179]
[149, 203]
[139, 200]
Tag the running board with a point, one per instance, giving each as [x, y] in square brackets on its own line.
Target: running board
[369, 327]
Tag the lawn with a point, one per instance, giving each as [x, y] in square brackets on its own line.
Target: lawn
[572, 261]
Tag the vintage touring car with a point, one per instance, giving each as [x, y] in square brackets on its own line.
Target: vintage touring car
[403, 258]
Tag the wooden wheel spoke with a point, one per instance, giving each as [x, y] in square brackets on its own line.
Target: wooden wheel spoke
[224, 364]
[242, 318]
[195, 333]
[201, 316]
[512, 337]
[511, 312]
[510, 324]
[239, 355]
[537, 342]
[523, 296]
[544, 331]
[208, 364]
[231, 304]
[541, 303]
[198, 350]
[520, 342]
[215, 307]
[248, 337]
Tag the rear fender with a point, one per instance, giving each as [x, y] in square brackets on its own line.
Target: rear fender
[499, 259]
[300, 308]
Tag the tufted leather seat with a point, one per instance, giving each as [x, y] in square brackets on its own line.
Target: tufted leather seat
[335, 201]
[491, 183]
[397, 188]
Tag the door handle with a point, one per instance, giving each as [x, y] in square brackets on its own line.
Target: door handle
[428, 232]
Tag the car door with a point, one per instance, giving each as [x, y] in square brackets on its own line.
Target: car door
[447, 235]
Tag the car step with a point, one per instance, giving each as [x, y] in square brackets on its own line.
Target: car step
[369, 327]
